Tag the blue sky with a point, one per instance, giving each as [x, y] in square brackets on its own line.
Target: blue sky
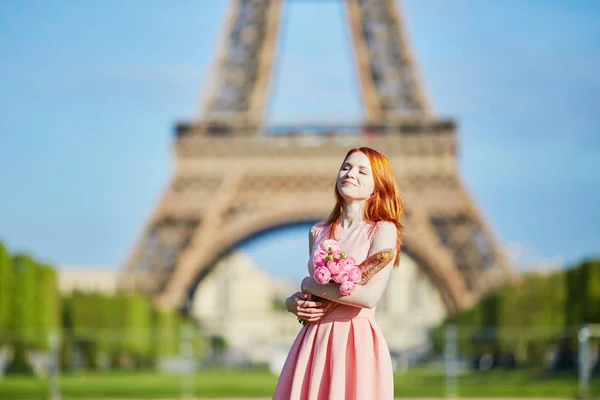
[91, 91]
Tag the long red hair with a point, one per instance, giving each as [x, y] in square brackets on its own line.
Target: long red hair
[384, 205]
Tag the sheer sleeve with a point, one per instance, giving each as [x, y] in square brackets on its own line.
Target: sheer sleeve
[315, 232]
[313, 238]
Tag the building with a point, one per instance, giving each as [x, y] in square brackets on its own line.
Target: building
[98, 279]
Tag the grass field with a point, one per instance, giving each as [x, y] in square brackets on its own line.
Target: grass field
[260, 383]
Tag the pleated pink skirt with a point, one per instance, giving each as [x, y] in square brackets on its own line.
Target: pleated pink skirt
[342, 357]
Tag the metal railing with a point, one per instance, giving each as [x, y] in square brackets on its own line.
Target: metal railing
[456, 361]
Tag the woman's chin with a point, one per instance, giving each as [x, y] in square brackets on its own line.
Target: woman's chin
[349, 195]
[346, 191]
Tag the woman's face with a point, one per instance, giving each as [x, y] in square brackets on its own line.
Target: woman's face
[355, 179]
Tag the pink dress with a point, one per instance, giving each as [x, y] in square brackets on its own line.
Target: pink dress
[344, 356]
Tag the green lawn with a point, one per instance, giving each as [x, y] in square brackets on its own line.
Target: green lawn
[500, 383]
[259, 383]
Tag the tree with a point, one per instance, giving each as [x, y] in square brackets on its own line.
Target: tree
[24, 313]
[7, 281]
[47, 303]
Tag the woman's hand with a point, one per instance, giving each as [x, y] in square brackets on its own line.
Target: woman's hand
[304, 307]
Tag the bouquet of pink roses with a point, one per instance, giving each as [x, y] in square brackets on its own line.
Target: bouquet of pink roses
[331, 257]
[332, 264]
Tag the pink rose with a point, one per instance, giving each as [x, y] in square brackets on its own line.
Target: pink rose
[319, 259]
[347, 265]
[341, 277]
[355, 275]
[329, 245]
[322, 275]
[347, 287]
[350, 261]
[334, 267]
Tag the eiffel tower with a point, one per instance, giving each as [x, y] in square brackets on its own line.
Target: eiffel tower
[235, 178]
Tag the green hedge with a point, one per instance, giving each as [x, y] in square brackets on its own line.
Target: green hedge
[554, 302]
[124, 329]
[47, 318]
[7, 281]
[167, 329]
[137, 325]
[25, 300]
[583, 293]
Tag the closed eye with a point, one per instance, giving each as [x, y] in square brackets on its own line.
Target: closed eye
[347, 167]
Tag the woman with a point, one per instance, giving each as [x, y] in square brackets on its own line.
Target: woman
[343, 355]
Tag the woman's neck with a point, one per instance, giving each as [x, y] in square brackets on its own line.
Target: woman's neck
[352, 214]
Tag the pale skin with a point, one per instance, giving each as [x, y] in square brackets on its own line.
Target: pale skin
[355, 184]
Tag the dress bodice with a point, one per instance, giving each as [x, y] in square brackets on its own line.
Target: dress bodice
[356, 242]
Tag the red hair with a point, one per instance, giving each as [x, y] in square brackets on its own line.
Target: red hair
[384, 205]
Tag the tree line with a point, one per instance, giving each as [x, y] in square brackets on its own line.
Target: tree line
[93, 329]
[533, 322]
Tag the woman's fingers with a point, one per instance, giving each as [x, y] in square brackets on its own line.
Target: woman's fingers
[313, 318]
[308, 304]
[313, 310]
[304, 296]
[307, 307]
[310, 313]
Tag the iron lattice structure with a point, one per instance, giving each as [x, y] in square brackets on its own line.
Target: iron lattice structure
[234, 177]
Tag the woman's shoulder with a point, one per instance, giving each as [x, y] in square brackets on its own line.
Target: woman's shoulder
[385, 227]
[317, 228]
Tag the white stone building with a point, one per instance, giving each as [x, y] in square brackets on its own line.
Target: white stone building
[100, 279]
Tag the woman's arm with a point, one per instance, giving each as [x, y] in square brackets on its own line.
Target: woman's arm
[302, 305]
[368, 295]
[310, 243]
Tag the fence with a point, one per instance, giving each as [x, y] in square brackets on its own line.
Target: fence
[455, 361]
[540, 361]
